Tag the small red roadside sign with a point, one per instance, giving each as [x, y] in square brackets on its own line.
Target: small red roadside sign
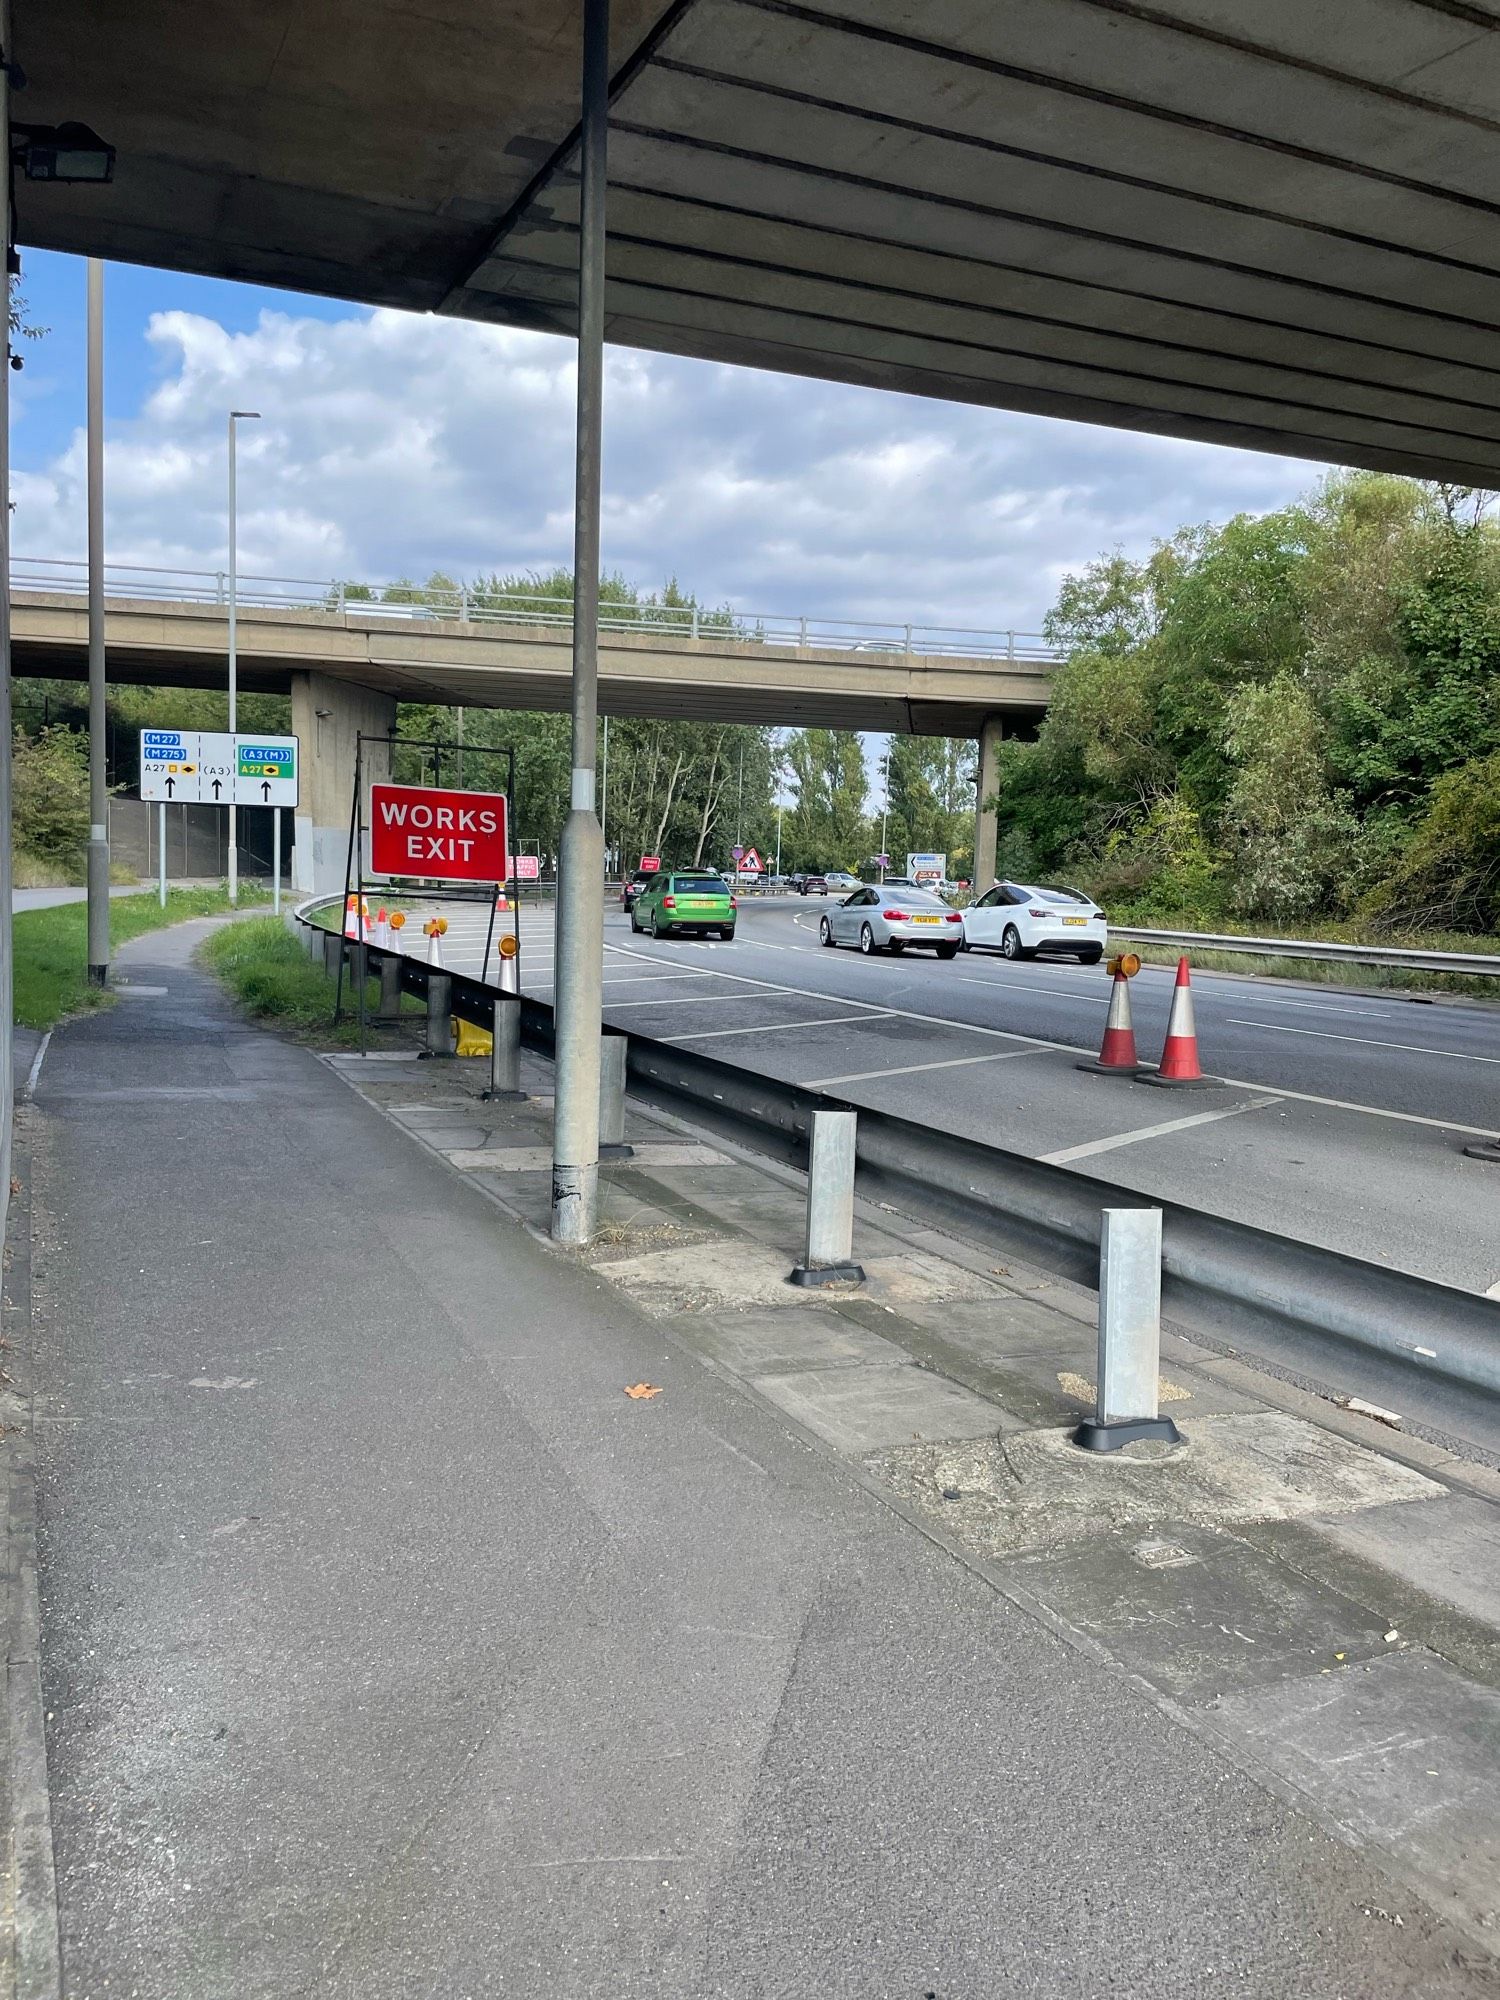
[444, 836]
[650, 863]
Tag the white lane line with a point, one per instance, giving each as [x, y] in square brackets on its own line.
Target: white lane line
[685, 1000]
[777, 1027]
[914, 1069]
[1076, 1049]
[903, 1013]
[1364, 1041]
[1018, 987]
[652, 978]
[29, 1087]
[1092, 1146]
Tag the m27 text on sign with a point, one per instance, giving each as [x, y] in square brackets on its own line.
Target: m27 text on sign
[440, 836]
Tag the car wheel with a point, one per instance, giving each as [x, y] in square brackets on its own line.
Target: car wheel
[947, 951]
[1093, 956]
[727, 933]
[866, 939]
[825, 933]
[1011, 944]
[655, 929]
[964, 945]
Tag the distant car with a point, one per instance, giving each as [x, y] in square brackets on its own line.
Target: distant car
[689, 899]
[893, 920]
[636, 886]
[897, 882]
[1021, 921]
[810, 885]
[840, 881]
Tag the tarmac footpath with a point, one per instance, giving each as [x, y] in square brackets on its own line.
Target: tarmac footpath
[389, 1648]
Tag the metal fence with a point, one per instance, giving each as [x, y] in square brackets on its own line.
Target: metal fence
[1399, 957]
[196, 843]
[469, 606]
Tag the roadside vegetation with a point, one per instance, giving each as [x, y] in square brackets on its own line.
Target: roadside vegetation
[269, 972]
[51, 947]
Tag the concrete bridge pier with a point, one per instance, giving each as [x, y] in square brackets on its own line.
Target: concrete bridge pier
[986, 782]
[327, 715]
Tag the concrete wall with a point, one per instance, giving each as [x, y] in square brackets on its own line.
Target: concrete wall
[327, 716]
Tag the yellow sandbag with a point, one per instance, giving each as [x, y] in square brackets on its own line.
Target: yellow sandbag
[471, 1041]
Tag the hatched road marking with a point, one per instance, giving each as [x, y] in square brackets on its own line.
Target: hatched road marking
[1092, 1146]
[1364, 1041]
[914, 1069]
[774, 1027]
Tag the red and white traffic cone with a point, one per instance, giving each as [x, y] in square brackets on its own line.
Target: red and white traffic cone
[1180, 1068]
[351, 916]
[1117, 1056]
[502, 905]
[382, 938]
[435, 931]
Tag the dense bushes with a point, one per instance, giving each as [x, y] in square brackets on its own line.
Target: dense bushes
[1280, 718]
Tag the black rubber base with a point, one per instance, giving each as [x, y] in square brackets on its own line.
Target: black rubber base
[1097, 1068]
[502, 1096]
[1182, 1082]
[1485, 1149]
[436, 1055]
[812, 1277]
[1093, 1434]
[613, 1152]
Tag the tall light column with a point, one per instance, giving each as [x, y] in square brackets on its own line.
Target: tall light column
[580, 873]
[98, 849]
[235, 417]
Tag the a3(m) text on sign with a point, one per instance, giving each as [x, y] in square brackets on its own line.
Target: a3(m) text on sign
[445, 836]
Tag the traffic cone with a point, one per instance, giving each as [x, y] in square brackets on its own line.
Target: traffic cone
[397, 925]
[351, 916]
[435, 931]
[1117, 1056]
[502, 906]
[1179, 1069]
[382, 929]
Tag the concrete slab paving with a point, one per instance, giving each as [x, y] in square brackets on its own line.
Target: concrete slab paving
[773, 1343]
[1198, 1612]
[858, 1410]
[1404, 1750]
[1451, 1549]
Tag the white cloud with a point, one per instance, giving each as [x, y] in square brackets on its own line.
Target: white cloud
[394, 444]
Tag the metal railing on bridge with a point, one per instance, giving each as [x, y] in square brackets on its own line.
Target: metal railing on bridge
[468, 605]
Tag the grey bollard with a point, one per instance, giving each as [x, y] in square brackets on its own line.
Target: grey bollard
[439, 1015]
[312, 939]
[333, 953]
[613, 1053]
[505, 1037]
[390, 989]
[1129, 1334]
[830, 1203]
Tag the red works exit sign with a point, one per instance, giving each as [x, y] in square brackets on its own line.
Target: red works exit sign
[449, 836]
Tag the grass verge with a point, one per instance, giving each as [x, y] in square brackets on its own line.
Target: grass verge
[269, 972]
[51, 947]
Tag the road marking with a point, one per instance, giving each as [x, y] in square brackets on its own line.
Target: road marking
[914, 1069]
[1092, 1146]
[686, 1000]
[29, 1088]
[1364, 1041]
[976, 979]
[652, 978]
[777, 1027]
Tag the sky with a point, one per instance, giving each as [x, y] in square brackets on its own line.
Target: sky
[393, 444]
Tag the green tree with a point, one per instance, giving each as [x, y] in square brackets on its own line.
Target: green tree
[50, 796]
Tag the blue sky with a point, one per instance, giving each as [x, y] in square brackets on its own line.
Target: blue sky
[395, 444]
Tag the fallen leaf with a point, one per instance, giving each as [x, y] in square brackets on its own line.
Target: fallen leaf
[15, 1184]
[641, 1392]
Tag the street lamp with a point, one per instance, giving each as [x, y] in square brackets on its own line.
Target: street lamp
[235, 417]
[885, 803]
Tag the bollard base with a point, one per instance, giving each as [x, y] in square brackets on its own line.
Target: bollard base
[1180, 1082]
[616, 1150]
[503, 1097]
[1096, 1434]
[436, 1055]
[1484, 1149]
[812, 1276]
[1097, 1068]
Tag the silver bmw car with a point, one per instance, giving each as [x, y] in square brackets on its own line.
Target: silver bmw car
[892, 920]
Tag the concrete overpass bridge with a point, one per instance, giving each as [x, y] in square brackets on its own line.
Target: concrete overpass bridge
[346, 660]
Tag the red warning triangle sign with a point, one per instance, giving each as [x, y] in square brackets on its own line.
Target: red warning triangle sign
[750, 863]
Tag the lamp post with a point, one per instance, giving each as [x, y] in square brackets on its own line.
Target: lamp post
[235, 417]
[98, 849]
[885, 802]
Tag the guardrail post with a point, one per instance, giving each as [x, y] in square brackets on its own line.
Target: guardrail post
[1129, 1334]
[505, 1052]
[613, 1053]
[439, 1015]
[333, 953]
[390, 989]
[695, 621]
[801, 631]
[312, 940]
[829, 1259]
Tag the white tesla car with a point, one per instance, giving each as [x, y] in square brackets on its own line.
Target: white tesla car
[1020, 922]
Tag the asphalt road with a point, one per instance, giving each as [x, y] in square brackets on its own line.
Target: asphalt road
[1341, 1118]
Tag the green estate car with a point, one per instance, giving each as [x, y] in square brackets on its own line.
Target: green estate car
[694, 900]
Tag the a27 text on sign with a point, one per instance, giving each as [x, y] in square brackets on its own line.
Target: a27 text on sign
[440, 836]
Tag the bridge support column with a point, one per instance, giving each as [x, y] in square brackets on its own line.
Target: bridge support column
[986, 782]
[327, 715]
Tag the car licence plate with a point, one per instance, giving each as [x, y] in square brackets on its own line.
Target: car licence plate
[924, 920]
[699, 903]
[1075, 920]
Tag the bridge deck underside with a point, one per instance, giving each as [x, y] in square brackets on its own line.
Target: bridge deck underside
[1270, 226]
